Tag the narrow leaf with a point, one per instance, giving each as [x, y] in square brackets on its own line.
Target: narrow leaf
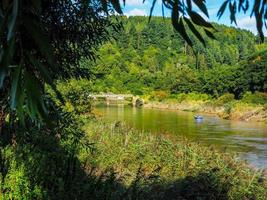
[14, 87]
[198, 19]
[222, 9]
[42, 69]
[40, 39]
[201, 4]
[210, 34]
[195, 31]
[189, 4]
[232, 7]
[12, 19]
[6, 57]
[116, 5]
[151, 9]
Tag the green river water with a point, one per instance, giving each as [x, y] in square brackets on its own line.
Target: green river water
[247, 139]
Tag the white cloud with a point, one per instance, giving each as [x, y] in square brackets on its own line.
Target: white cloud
[213, 11]
[136, 12]
[247, 23]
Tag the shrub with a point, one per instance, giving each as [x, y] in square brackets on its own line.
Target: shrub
[228, 107]
[226, 98]
[76, 95]
[159, 95]
[42, 162]
[198, 96]
[193, 97]
[256, 98]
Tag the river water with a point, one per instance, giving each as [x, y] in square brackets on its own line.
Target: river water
[247, 139]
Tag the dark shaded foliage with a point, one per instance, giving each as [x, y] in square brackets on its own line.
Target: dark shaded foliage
[42, 41]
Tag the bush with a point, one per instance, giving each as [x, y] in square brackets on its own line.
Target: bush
[256, 98]
[228, 107]
[186, 81]
[193, 97]
[42, 162]
[224, 79]
[255, 71]
[226, 98]
[159, 95]
[76, 95]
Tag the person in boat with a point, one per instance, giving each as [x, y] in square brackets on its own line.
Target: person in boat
[198, 117]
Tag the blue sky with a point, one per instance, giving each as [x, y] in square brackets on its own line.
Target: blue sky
[137, 7]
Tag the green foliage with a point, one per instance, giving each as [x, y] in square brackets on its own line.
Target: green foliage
[43, 41]
[16, 184]
[42, 161]
[118, 168]
[224, 99]
[186, 81]
[224, 79]
[152, 57]
[256, 71]
[156, 167]
[228, 107]
[158, 95]
[53, 46]
[192, 97]
[75, 93]
[256, 98]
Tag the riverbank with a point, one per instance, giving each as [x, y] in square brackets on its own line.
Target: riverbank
[225, 107]
[162, 167]
[242, 112]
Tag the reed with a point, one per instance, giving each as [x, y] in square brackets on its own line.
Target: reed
[163, 167]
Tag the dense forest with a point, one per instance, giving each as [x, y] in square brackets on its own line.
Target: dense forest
[151, 56]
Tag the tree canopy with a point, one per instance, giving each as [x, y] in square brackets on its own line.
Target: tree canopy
[157, 58]
[42, 40]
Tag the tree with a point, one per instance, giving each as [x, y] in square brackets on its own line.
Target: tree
[255, 71]
[186, 81]
[139, 28]
[42, 40]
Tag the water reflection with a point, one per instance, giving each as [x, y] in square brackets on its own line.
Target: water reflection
[247, 139]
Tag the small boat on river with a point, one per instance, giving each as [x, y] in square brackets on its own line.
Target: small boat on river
[198, 117]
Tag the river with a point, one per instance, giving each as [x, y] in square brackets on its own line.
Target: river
[247, 139]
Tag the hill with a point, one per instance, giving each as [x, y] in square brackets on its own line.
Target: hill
[146, 57]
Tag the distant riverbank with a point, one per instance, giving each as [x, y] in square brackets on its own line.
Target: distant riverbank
[224, 108]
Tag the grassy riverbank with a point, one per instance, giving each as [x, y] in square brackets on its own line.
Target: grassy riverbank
[115, 162]
[146, 166]
[252, 107]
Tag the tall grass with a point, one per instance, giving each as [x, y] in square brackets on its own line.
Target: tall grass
[161, 167]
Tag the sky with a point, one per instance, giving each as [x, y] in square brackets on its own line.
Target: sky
[137, 7]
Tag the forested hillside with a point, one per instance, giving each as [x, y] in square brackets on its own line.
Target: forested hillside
[146, 57]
